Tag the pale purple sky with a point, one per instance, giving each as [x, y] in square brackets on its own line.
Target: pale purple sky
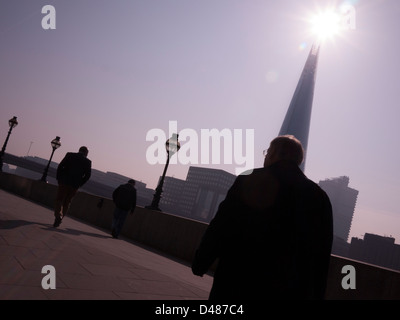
[112, 71]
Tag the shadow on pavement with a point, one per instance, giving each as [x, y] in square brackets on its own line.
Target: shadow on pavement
[12, 224]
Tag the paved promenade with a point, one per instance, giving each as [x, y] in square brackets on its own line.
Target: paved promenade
[89, 264]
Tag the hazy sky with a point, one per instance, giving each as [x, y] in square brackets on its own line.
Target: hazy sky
[113, 71]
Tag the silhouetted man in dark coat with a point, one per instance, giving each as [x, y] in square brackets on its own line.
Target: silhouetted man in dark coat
[272, 235]
[124, 197]
[72, 173]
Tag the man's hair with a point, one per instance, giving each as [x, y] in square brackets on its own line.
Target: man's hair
[287, 147]
[84, 150]
[131, 181]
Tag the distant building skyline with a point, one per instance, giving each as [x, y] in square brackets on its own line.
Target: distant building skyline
[343, 200]
[377, 250]
[100, 183]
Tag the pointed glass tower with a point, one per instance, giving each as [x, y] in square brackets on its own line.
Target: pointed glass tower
[298, 115]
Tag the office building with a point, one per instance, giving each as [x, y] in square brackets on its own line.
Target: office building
[377, 250]
[343, 200]
[171, 195]
[203, 191]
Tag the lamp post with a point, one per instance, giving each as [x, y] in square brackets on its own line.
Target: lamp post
[12, 123]
[172, 146]
[55, 144]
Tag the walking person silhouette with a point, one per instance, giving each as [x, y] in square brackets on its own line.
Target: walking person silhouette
[72, 173]
[124, 197]
[272, 235]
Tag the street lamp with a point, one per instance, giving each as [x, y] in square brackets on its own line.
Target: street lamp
[172, 146]
[55, 144]
[12, 123]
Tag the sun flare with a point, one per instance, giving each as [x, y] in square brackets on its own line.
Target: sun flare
[326, 24]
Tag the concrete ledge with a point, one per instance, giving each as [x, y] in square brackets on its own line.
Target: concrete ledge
[168, 233]
[16, 184]
[43, 193]
[179, 237]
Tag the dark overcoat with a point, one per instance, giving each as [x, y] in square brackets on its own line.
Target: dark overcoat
[74, 170]
[124, 197]
[271, 237]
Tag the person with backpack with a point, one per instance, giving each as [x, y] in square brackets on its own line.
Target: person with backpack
[124, 197]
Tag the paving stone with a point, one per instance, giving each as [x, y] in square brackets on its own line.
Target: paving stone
[89, 264]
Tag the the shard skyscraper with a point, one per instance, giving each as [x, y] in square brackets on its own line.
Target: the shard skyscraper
[298, 116]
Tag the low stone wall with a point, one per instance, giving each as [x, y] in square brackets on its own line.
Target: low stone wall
[168, 233]
[16, 184]
[179, 237]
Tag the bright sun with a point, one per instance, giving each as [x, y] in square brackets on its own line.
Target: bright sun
[326, 24]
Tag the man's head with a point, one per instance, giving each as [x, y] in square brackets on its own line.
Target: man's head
[84, 151]
[132, 182]
[285, 147]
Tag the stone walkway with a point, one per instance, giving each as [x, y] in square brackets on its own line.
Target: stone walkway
[89, 264]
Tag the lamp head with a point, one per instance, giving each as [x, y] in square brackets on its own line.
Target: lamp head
[13, 122]
[172, 145]
[55, 143]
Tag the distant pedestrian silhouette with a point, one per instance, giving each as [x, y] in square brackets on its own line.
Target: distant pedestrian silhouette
[272, 235]
[124, 197]
[72, 173]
